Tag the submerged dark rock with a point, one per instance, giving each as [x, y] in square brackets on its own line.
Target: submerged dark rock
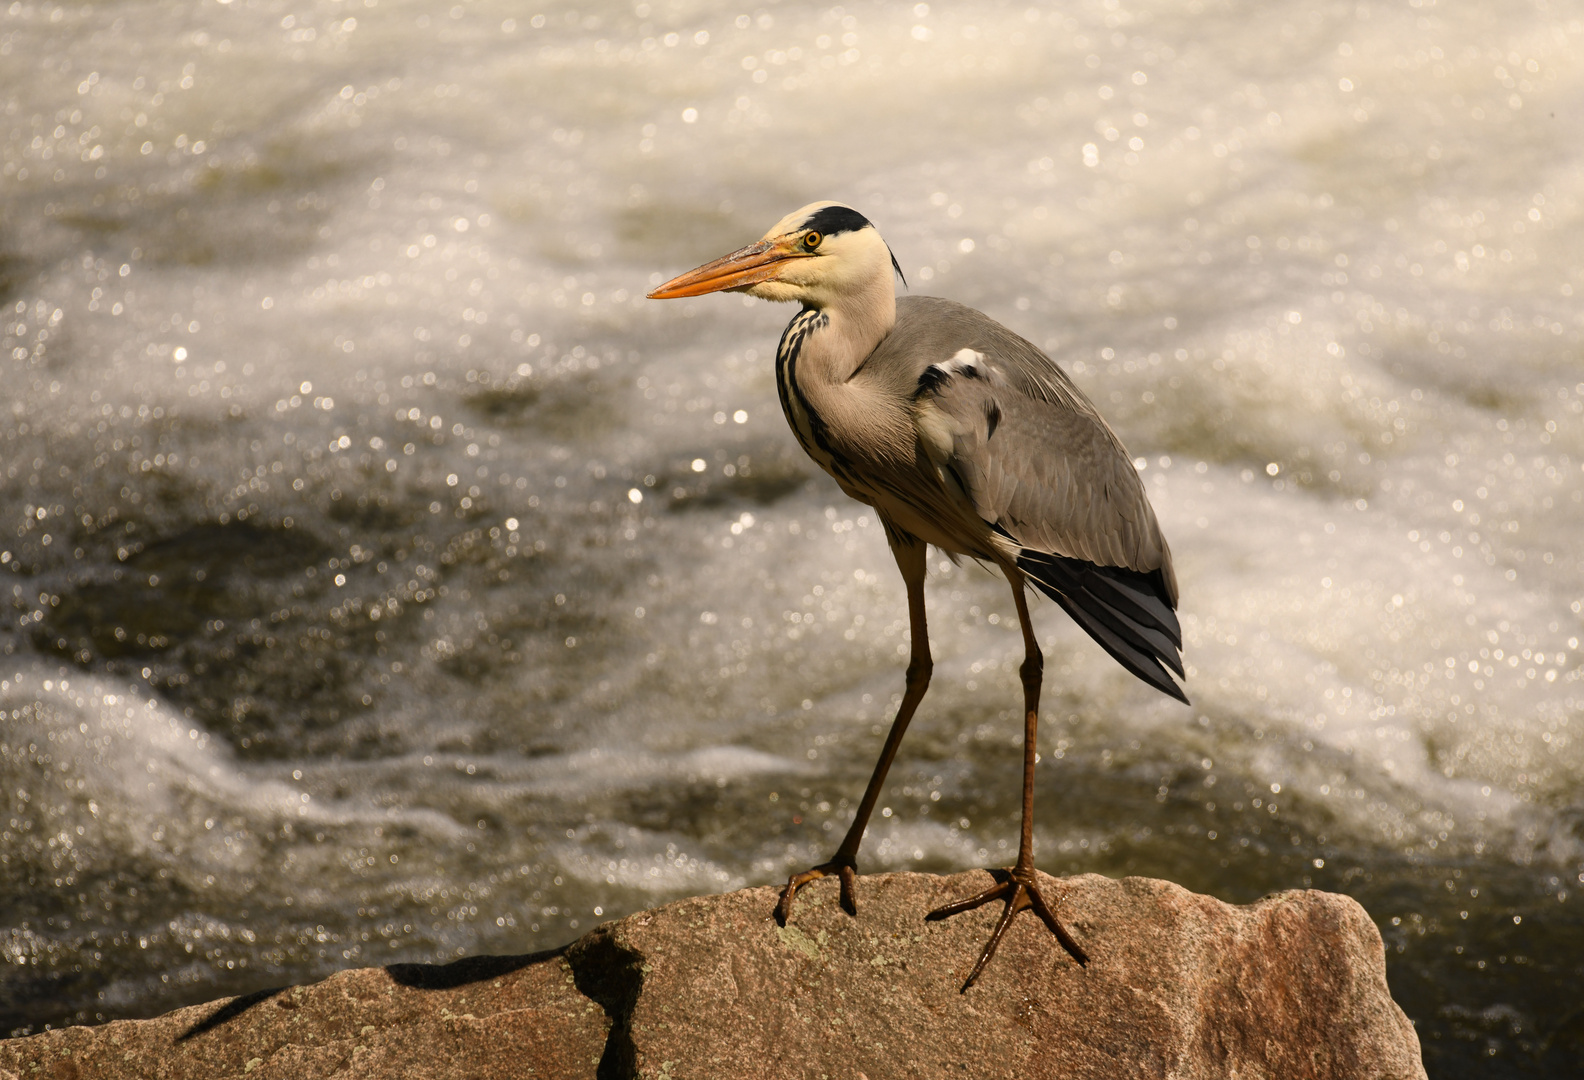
[1178, 985]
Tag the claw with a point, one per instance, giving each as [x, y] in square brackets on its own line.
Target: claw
[1018, 888]
[845, 870]
[848, 875]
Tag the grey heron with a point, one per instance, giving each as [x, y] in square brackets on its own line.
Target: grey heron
[962, 435]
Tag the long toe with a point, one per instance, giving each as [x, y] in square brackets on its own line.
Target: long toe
[849, 902]
[1020, 892]
[957, 907]
[845, 869]
[1048, 917]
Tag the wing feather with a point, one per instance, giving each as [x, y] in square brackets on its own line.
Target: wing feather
[1053, 474]
[1050, 476]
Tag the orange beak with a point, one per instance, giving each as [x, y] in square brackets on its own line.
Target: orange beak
[742, 268]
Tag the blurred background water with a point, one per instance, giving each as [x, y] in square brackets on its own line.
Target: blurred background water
[385, 579]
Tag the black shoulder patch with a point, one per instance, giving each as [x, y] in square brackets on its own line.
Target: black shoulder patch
[930, 380]
[832, 220]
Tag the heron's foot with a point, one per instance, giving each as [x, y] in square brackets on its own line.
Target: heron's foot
[844, 867]
[1019, 889]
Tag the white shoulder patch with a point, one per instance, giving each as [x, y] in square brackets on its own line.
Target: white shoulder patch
[965, 362]
[964, 359]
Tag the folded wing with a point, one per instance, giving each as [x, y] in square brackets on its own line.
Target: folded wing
[1006, 428]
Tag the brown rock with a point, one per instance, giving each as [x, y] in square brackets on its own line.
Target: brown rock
[1178, 985]
[479, 1018]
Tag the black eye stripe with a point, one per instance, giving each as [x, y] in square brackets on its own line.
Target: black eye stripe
[833, 220]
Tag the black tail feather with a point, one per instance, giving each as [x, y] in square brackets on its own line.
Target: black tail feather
[1125, 611]
[1133, 594]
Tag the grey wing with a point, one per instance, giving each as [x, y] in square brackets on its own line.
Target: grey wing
[1005, 427]
[1050, 473]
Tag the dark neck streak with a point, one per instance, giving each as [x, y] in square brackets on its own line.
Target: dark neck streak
[805, 422]
[820, 353]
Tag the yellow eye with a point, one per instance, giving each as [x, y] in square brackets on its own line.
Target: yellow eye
[812, 240]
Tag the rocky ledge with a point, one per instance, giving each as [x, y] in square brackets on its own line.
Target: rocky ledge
[1178, 985]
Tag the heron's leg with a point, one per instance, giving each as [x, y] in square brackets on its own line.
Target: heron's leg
[1019, 886]
[910, 560]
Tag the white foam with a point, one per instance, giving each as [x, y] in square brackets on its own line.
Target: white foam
[120, 774]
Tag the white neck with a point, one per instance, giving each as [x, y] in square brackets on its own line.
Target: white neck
[858, 320]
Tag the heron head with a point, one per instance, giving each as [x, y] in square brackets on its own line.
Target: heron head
[817, 255]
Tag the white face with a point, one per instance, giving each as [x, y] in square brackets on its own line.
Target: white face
[824, 267]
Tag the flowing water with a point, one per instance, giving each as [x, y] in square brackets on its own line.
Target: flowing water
[386, 579]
